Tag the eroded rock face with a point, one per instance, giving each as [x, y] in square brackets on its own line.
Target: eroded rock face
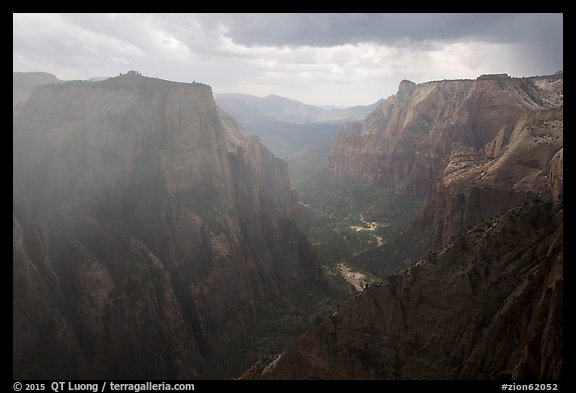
[146, 224]
[407, 139]
[488, 306]
[478, 184]
[470, 149]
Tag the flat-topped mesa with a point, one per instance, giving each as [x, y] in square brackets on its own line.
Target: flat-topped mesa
[493, 76]
[133, 118]
[404, 142]
[150, 225]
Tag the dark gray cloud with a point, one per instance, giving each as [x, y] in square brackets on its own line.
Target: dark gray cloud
[336, 29]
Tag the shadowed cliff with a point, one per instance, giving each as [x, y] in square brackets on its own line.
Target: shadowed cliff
[487, 306]
[146, 224]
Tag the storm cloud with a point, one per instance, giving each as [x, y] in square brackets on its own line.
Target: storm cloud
[338, 29]
[341, 59]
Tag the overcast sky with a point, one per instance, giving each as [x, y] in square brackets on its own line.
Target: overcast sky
[333, 59]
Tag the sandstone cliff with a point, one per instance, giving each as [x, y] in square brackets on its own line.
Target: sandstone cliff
[509, 170]
[487, 306]
[406, 140]
[146, 224]
[470, 149]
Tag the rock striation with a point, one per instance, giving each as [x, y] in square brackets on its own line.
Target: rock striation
[408, 138]
[487, 306]
[470, 149]
[146, 224]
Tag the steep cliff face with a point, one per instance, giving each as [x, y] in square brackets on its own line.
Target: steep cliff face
[507, 172]
[405, 141]
[487, 306]
[469, 149]
[146, 224]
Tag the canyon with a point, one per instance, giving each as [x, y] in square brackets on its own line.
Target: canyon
[466, 149]
[487, 306]
[153, 238]
[473, 289]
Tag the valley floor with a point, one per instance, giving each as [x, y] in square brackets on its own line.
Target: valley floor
[357, 278]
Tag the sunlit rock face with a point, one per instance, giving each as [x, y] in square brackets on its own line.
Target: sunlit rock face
[470, 149]
[409, 136]
[146, 224]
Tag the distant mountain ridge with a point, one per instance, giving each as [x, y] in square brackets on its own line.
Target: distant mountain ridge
[24, 83]
[291, 111]
[298, 133]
